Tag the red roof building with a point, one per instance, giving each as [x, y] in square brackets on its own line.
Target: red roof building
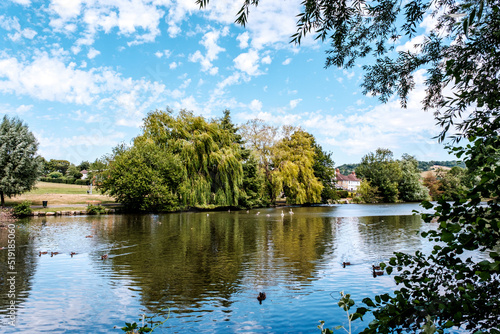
[347, 182]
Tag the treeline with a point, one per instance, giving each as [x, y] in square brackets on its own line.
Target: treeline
[62, 171]
[183, 161]
[421, 165]
[388, 180]
[385, 179]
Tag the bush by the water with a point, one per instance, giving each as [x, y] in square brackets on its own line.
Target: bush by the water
[95, 209]
[23, 209]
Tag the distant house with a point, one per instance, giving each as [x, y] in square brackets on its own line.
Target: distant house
[84, 174]
[347, 182]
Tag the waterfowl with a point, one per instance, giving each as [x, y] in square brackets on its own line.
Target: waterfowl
[376, 272]
[72, 253]
[268, 215]
[346, 264]
[42, 253]
[282, 214]
[375, 267]
[89, 236]
[291, 212]
[248, 211]
[104, 257]
[53, 253]
[258, 213]
[261, 297]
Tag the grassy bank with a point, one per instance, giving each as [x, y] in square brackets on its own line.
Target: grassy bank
[59, 193]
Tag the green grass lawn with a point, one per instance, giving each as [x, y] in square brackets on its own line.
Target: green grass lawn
[60, 188]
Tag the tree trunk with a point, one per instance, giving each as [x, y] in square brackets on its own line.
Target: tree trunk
[3, 201]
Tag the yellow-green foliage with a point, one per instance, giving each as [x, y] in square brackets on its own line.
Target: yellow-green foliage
[294, 159]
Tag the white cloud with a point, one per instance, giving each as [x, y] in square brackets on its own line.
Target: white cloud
[243, 39]
[173, 65]
[287, 61]
[20, 110]
[294, 103]
[50, 79]
[164, 53]
[209, 41]
[93, 53]
[248, 62]
[178, 11]
[266, 60]
[270, 24]
[255, 105]
[12, 24]
[412, 44]
[347, 74]
[22, 2]
[138, 19]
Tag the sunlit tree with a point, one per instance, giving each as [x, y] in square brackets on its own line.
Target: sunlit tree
[19, 163]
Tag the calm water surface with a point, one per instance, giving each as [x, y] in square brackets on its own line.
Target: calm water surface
[206, 270]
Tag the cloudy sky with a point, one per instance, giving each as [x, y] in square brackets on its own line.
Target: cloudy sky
[82, 74]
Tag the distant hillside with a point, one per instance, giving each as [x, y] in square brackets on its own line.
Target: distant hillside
[426, 165]
[422, 165]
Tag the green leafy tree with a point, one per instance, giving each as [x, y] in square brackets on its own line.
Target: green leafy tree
[383, 172]
[410, 188]
[209, 155]
[56, 175]
[253, 192]
[433, 184]
[73, 172]
[367, 193]
[293, 161]
[260, 138]
[84, 165]
[60, 166]
[453, 182]
[143, 177]
[19, 163]
[324, 170]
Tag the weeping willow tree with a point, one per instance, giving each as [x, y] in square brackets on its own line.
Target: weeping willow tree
[210, 158]
[293, 166]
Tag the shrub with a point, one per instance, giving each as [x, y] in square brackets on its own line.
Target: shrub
[56, 175]
[95, 209]
[23, 209]
[342, 193]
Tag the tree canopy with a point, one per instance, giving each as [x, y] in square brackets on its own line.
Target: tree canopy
[19, 163]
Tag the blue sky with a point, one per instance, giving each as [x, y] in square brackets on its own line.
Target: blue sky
[83, 74]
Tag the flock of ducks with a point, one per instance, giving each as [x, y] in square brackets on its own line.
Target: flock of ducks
[267, 215]
[376, 270]
[40, 253]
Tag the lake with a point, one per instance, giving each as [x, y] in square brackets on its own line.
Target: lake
[203, 270]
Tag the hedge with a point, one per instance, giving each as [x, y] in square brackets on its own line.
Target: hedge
[65, 180]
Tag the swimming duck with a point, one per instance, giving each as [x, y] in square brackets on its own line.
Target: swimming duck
[104, 257]
[375, 267]
[89, 236]
[53, 253]
[72, 253]
[42, 253]
[261, 297]
[376, 272]
[346, 264]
